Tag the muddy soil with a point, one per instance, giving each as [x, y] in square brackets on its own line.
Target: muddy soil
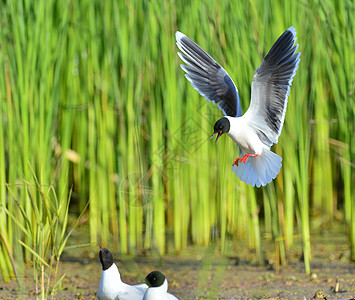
[200, 273]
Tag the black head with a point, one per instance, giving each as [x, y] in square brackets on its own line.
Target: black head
[106, 258]
[220, 127]
[155, 279]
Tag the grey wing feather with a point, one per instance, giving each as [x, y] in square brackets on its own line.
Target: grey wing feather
[208, 77]
[141, 287]
[271, 87]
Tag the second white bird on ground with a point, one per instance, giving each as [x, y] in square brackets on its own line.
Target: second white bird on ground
[158, 287]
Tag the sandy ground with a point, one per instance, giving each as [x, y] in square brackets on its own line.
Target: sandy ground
[201, 273]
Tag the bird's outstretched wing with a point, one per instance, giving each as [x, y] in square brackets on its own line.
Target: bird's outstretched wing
[208, 77]
[271, 86]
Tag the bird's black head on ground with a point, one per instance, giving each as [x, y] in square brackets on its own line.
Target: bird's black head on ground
[220, 127]
[106, 258]
[155, 279]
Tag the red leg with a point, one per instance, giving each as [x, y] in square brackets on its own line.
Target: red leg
[236, 162]
[243, 159]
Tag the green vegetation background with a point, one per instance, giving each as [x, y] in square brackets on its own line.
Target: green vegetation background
[95, 109]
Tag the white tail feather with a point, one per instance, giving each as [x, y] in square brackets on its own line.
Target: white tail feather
[260, 170]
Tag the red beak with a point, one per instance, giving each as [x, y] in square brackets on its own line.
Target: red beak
[219, 134]
[100, 246]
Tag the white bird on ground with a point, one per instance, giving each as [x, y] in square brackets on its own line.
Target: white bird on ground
[260, 127]
[111, 286]
[158, 287]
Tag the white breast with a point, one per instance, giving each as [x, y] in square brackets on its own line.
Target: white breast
[154, 294]
[109, 284]
[245, 136]
[112, 288]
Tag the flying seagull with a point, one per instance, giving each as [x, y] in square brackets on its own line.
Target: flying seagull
[111, 286]
[260, 127]
[158, 287]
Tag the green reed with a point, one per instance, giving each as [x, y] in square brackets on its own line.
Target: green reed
[93, 99]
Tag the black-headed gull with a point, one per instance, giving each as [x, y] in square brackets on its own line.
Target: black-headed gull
[260, 127]
[111, 286]
[158, 287]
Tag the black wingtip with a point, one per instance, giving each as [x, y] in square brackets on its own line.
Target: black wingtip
[284, 47]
